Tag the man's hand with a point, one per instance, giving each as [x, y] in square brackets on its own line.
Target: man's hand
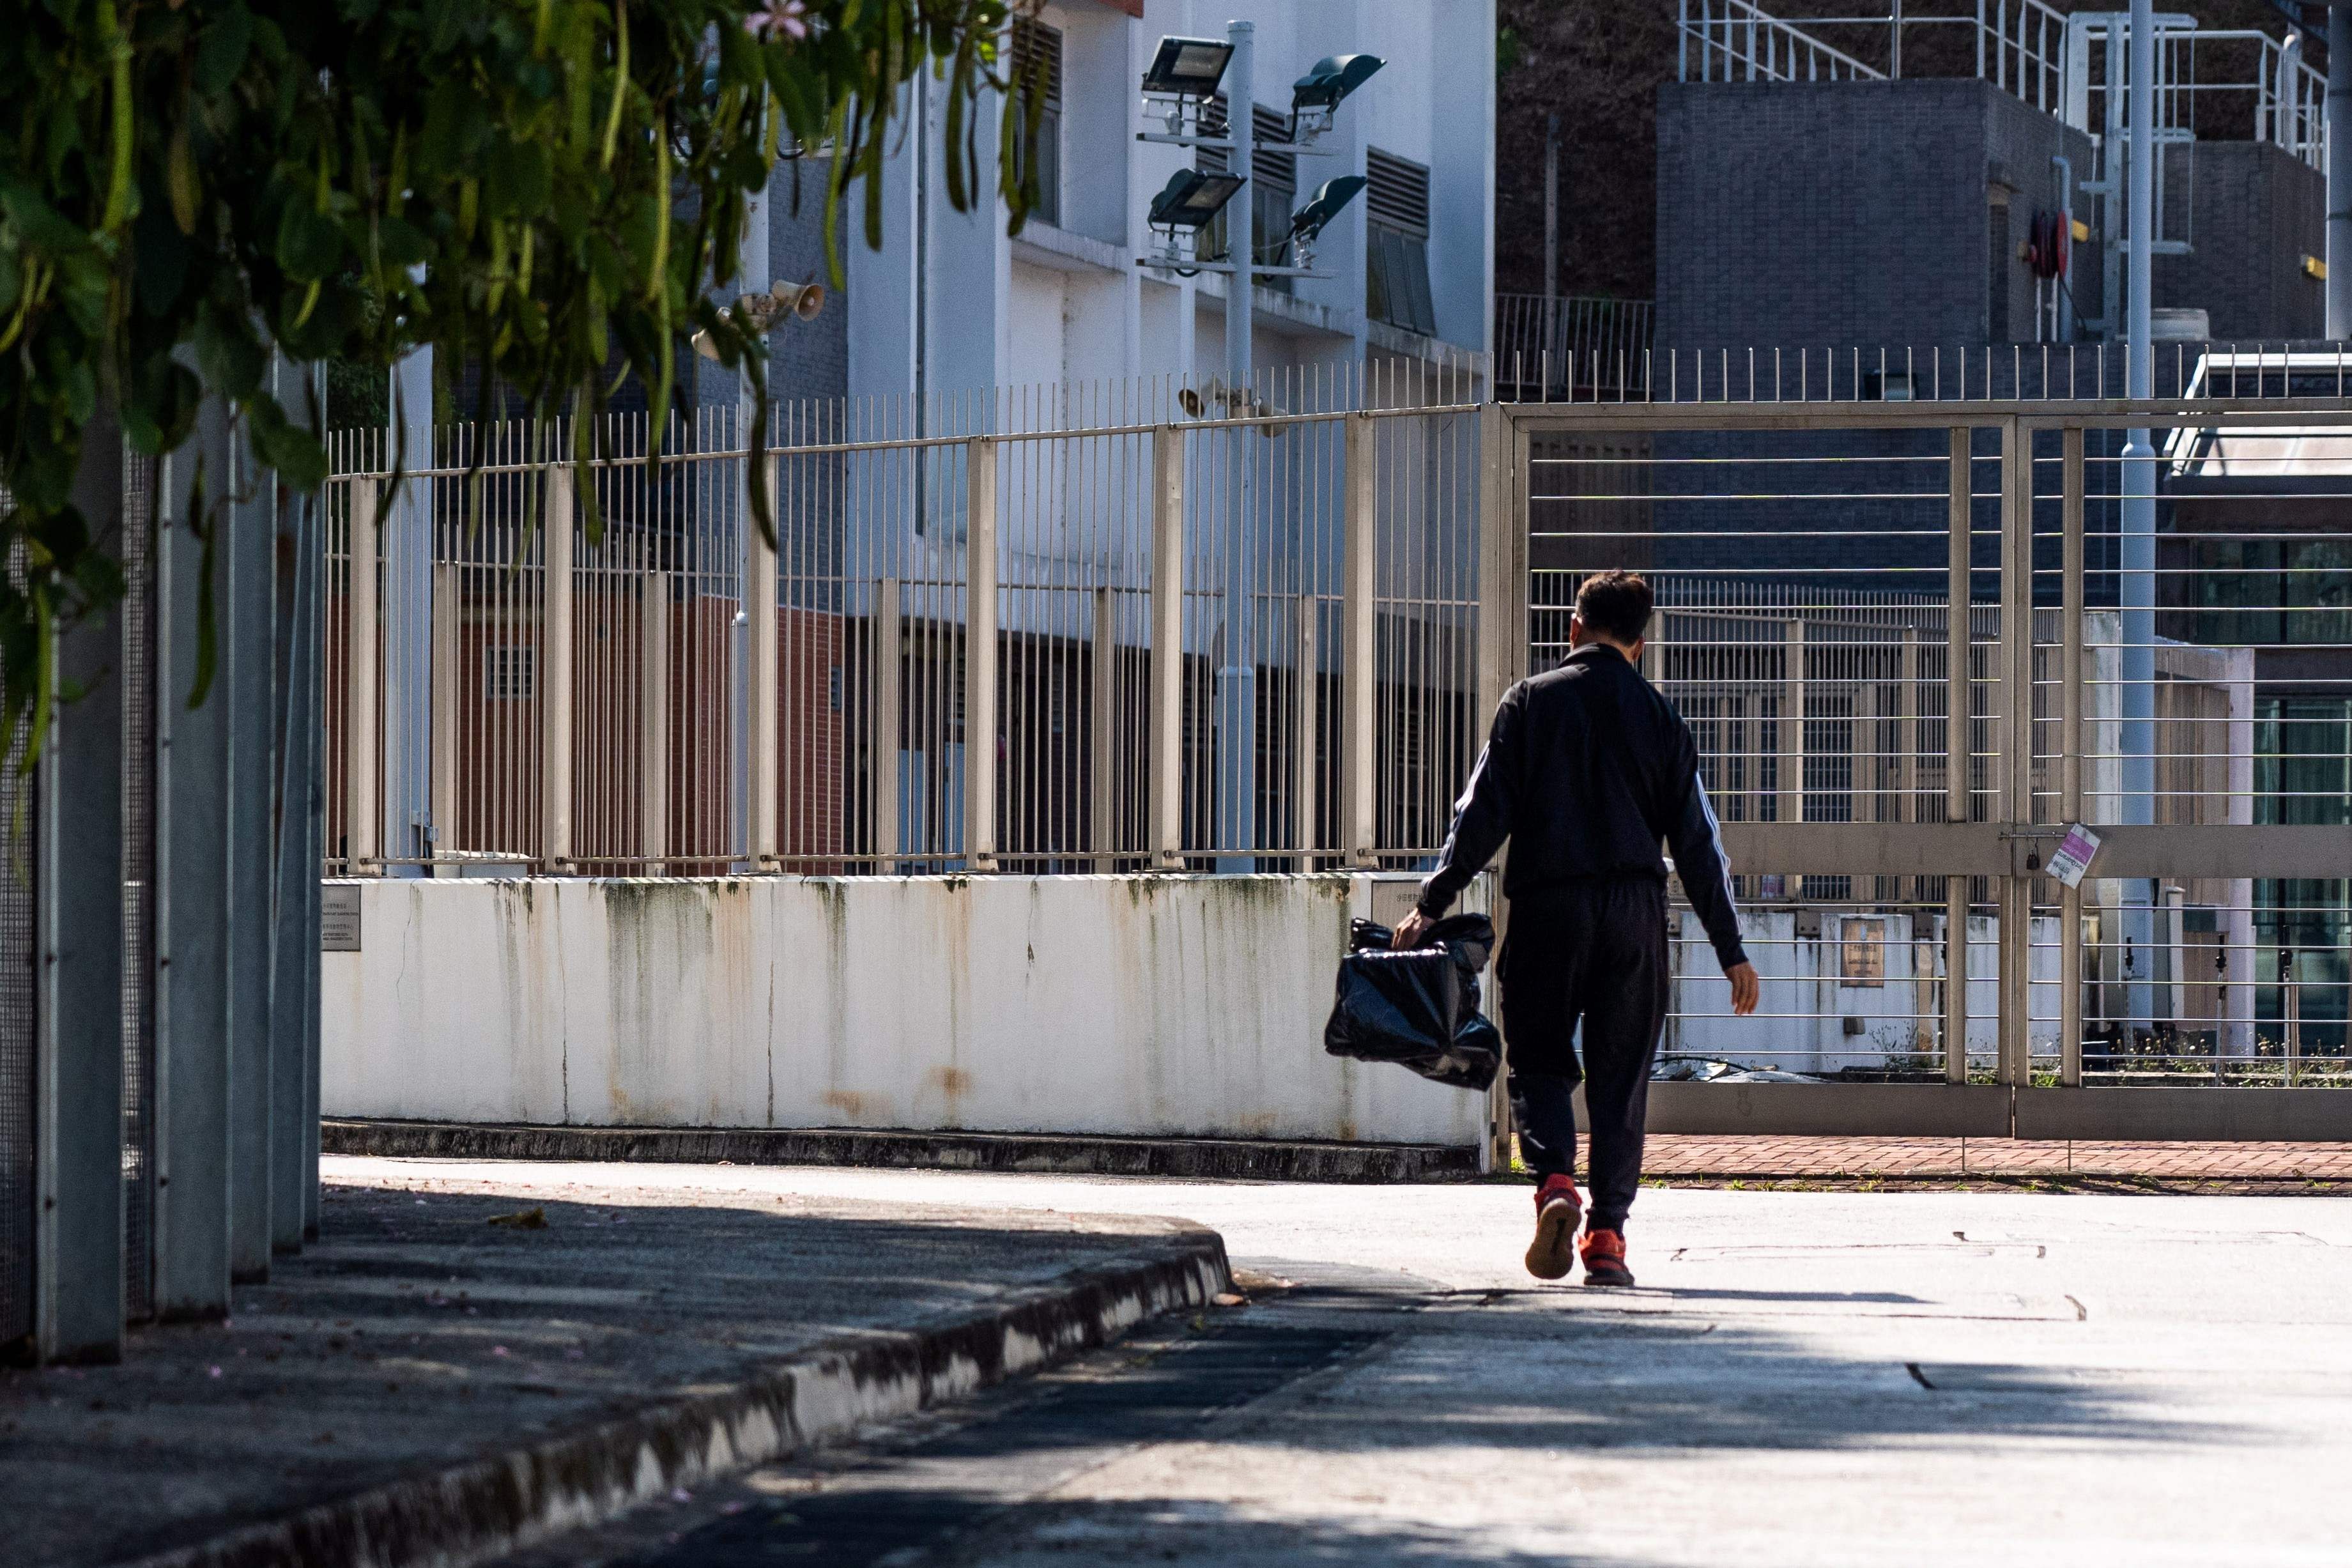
[1746, 989]
[1409, 930]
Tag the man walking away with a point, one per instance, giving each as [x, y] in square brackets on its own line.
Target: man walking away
[1586, 770]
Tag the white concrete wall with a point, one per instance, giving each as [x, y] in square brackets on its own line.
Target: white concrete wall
[1185, 1005]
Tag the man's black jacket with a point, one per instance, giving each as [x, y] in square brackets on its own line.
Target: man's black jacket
[1586, 770]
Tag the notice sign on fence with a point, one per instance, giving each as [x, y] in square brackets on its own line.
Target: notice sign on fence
[2073, 857]
[339, 919]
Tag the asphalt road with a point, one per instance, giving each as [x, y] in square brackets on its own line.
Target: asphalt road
[1808, 1379]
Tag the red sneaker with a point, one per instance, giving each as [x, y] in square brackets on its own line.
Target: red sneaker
[1558, 1211]
[1603, 1252]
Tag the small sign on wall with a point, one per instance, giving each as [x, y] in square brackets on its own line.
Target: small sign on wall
[339, 919]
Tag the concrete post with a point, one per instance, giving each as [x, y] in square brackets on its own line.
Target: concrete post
[979, 653]
[555, 683]
[192, 847]
[2139, 544]
[652, 743]
[2016, 732]
[1360, 648]
[1168, 761]
[77, 855]
[247, 663]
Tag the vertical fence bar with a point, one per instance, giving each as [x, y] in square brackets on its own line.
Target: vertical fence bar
[980, 654]
[653, 740]
[1957, 761]
[890, 685]
[1167, 648]
[2070, 752]
[441, 838]
[2016, 731]
[554, 686]
[1358, 667]
[362, 822]
[1102, 732]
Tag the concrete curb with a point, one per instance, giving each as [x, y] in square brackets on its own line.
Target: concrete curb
[1183, 1159]
[504, 1501]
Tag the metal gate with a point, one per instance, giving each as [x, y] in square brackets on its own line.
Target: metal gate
[1916, 640]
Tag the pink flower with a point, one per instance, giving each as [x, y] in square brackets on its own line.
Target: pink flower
[780, 18]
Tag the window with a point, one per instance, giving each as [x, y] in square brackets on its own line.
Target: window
[1396, 243]
[1037, 56]
[1273, 188]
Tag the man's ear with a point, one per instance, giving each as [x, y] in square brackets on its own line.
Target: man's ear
[1575, 629]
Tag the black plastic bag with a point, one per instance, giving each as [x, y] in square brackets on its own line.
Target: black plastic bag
[1418, 1007]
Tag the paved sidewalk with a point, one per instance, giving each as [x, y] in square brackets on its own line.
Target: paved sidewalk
[451, 1366]
[1944, 1159]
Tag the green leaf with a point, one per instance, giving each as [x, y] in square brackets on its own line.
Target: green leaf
[221, 52]
[285, 446]
[310, 243]
[229, 355]
[518, 179]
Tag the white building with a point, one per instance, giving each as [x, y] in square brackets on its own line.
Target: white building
[950, 302]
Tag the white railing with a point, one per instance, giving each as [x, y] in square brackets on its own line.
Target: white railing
[1731, 40]
[1055, 629]
[1551, 340]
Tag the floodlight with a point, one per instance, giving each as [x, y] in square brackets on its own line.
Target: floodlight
[1332, 78]
[1192, 198]
[1308, 221]
[1188, 67]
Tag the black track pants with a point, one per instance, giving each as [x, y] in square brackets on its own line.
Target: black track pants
[1589, 953]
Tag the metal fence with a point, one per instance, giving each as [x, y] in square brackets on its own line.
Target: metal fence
[1561, 345]
[2181, 681]
[1058, 629]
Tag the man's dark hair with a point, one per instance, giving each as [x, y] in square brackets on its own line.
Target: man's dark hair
[1615, 605]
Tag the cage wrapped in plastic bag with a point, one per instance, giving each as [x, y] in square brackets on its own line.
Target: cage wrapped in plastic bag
[1418, 1007]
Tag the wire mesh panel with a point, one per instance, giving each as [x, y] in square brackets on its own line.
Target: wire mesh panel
[139, 698]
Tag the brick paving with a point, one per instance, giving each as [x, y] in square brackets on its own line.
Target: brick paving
[1670, 1155]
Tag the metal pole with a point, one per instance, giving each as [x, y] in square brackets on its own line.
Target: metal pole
[1358, 651]
[192, 1043]
[1957, 747]
[444, 835]
[1168, 648]
[1304, 712]
[2070, 754]
[1104, 750]
[362, 821]
[759, 677]
[1551, 232]
[2138, 587]
[888, 679]
[2340, 172]
[77, 832]
[1236, 798]
[249, 644]
[555, 683]
[294, 941]
[980, 656]
[2017, 744]
[407, 624]
[654, 745]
